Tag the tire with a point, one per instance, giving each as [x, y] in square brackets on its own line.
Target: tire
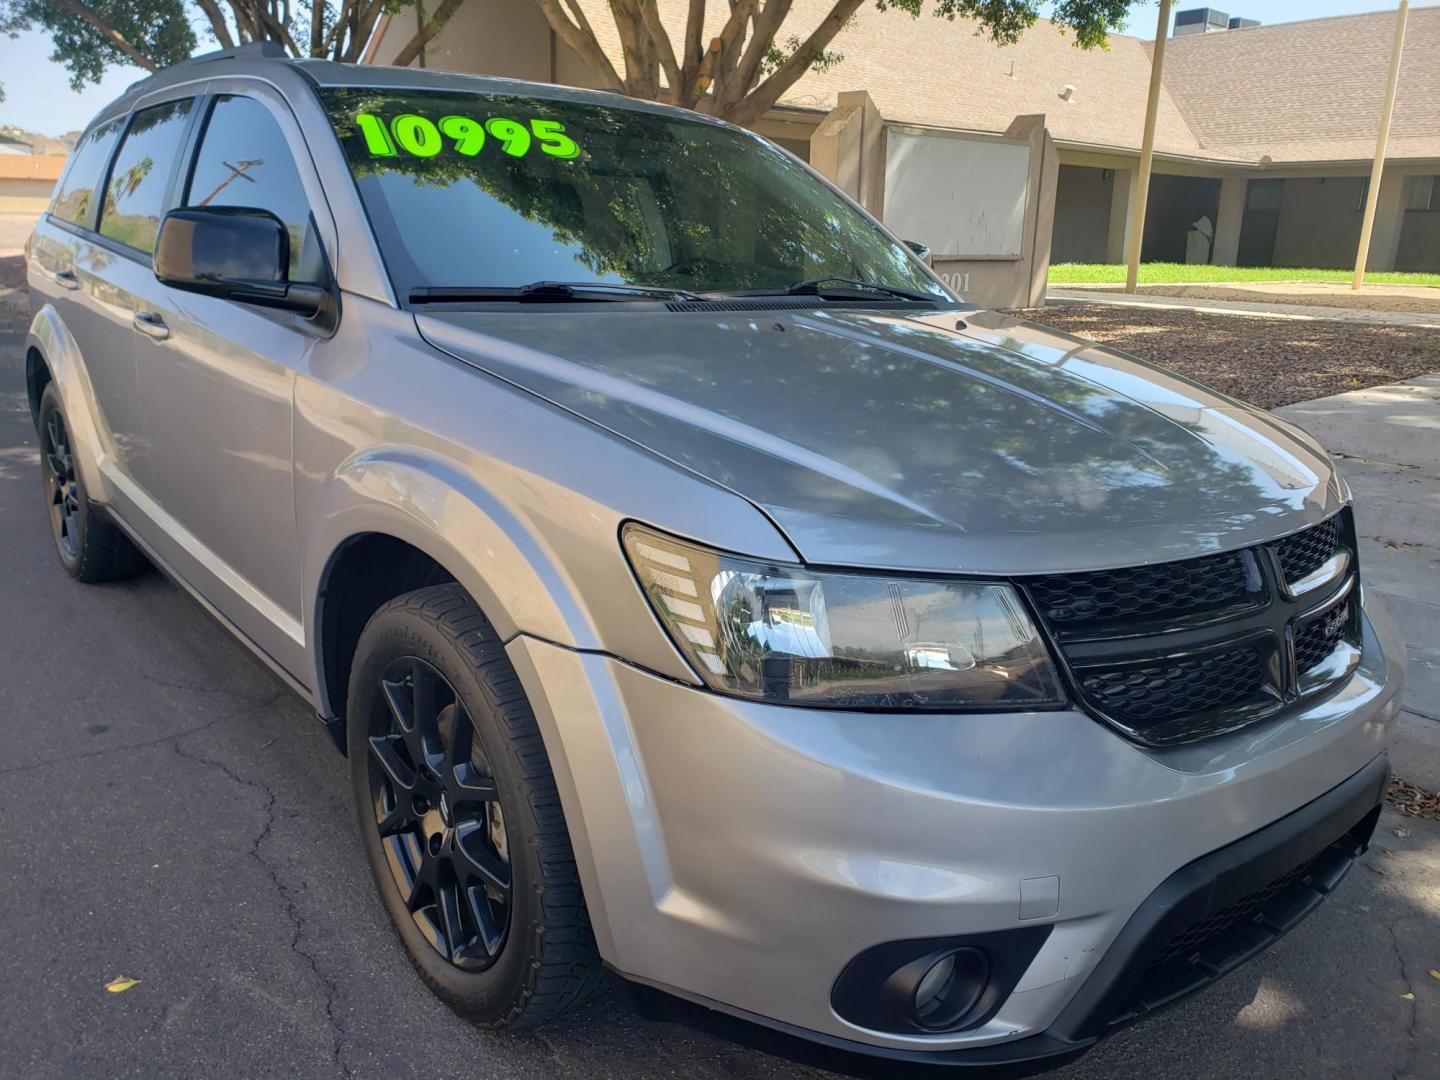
[487, 905]
[91, 547]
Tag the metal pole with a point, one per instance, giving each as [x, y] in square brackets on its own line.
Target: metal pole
[1377, 171]
[1136, 226]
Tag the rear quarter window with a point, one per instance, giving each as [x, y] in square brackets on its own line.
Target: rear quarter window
[74, 199]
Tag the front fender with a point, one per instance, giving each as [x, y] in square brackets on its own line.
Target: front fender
[430, 504]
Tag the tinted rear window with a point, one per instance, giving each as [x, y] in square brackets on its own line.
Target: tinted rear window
[75, 197]
[135, 197]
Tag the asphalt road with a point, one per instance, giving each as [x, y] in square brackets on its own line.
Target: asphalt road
[170, 812]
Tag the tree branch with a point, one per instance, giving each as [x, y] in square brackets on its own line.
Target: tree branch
[108, 32]
[755, 104]
[218, 25]
[693, 48]
[650, 16]
[317, 28]
[422, 37]
[767, 25]
[740, 12]
[580, 36]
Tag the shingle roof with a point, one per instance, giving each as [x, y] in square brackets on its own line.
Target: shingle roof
[1298, 92]
[1310, 91]
[933, 71]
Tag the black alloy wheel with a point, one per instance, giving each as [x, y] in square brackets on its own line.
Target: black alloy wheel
[90, 545]
[62, 491]
[438, 813]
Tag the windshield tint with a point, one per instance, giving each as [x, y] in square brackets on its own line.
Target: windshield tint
[495, 190]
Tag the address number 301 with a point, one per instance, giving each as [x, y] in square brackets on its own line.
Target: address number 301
[419, 136]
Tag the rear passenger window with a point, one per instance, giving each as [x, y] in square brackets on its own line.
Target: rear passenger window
[75, 195]
[244, 160]
[135, 196]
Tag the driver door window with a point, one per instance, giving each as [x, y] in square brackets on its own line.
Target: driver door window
[244, 160]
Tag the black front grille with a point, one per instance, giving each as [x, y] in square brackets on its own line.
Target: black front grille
[1157, 693]
[1306, 552]
[1175, 652]
[1318, 639]
[1071, 601]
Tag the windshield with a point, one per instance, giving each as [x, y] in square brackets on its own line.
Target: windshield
[497, 190]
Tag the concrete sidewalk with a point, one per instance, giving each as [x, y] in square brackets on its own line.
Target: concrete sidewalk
[1387, 442]
[1257, 308]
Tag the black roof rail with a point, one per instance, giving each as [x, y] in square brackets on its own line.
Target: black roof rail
[250, 50]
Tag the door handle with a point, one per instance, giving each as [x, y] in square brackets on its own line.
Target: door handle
[67, 279]
[152, 324]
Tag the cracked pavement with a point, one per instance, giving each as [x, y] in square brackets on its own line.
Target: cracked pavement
[170, 812]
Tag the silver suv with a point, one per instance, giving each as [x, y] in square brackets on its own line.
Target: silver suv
[700, 590]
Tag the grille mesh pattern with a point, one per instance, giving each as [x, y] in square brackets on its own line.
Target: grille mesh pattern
[1305, 552]
[1177, 688]
[1142, 592]
[1319, 638]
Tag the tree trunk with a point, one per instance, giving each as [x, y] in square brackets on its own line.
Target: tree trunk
[422, 37]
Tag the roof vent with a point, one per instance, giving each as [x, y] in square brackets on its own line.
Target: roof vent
[1068, 94]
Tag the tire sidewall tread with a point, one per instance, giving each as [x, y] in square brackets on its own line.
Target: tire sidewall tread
[558, 965]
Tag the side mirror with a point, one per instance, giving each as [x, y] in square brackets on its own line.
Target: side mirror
[234, 253]
[921, 250]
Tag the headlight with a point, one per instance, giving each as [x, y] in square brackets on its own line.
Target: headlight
[843, 641]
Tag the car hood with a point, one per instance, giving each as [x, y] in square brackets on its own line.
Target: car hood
[943, 441]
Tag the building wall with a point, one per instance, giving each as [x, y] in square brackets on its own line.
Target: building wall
[25, 196]
[1082, 214]
[495, 37]
[1320, 220]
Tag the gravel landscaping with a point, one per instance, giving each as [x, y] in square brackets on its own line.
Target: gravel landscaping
[1267, 362]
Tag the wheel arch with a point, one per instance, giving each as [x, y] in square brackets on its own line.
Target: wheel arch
[37, 377]
[392, 521]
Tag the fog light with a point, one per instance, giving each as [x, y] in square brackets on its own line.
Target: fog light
[950, 988]
[928, 993]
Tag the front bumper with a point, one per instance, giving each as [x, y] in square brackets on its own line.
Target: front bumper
[739, 855]
[1226, 907]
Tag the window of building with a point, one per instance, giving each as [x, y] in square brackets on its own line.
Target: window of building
[135, 196]
[1420, 193]
[75, 195]
[245, 161]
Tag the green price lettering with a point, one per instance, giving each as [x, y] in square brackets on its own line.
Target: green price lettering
[416, 135]
[468, 133]
[419, 136]
[514, 136]
[377, 138]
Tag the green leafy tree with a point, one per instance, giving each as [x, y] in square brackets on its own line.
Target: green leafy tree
[744, 69]
[91, 35]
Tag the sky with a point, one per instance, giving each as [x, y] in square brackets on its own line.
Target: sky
[38, 94]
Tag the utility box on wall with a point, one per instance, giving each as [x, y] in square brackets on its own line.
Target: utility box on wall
[984, 205]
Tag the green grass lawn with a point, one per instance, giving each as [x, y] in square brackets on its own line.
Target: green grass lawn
[1182, 274]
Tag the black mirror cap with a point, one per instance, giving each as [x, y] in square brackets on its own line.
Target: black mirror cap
[234, 253]
[922, 251]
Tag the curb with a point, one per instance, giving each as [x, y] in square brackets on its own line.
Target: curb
[1415, 750]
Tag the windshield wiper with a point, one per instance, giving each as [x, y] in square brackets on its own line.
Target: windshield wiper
[820, 287]
[551, 292]
[816, 287]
